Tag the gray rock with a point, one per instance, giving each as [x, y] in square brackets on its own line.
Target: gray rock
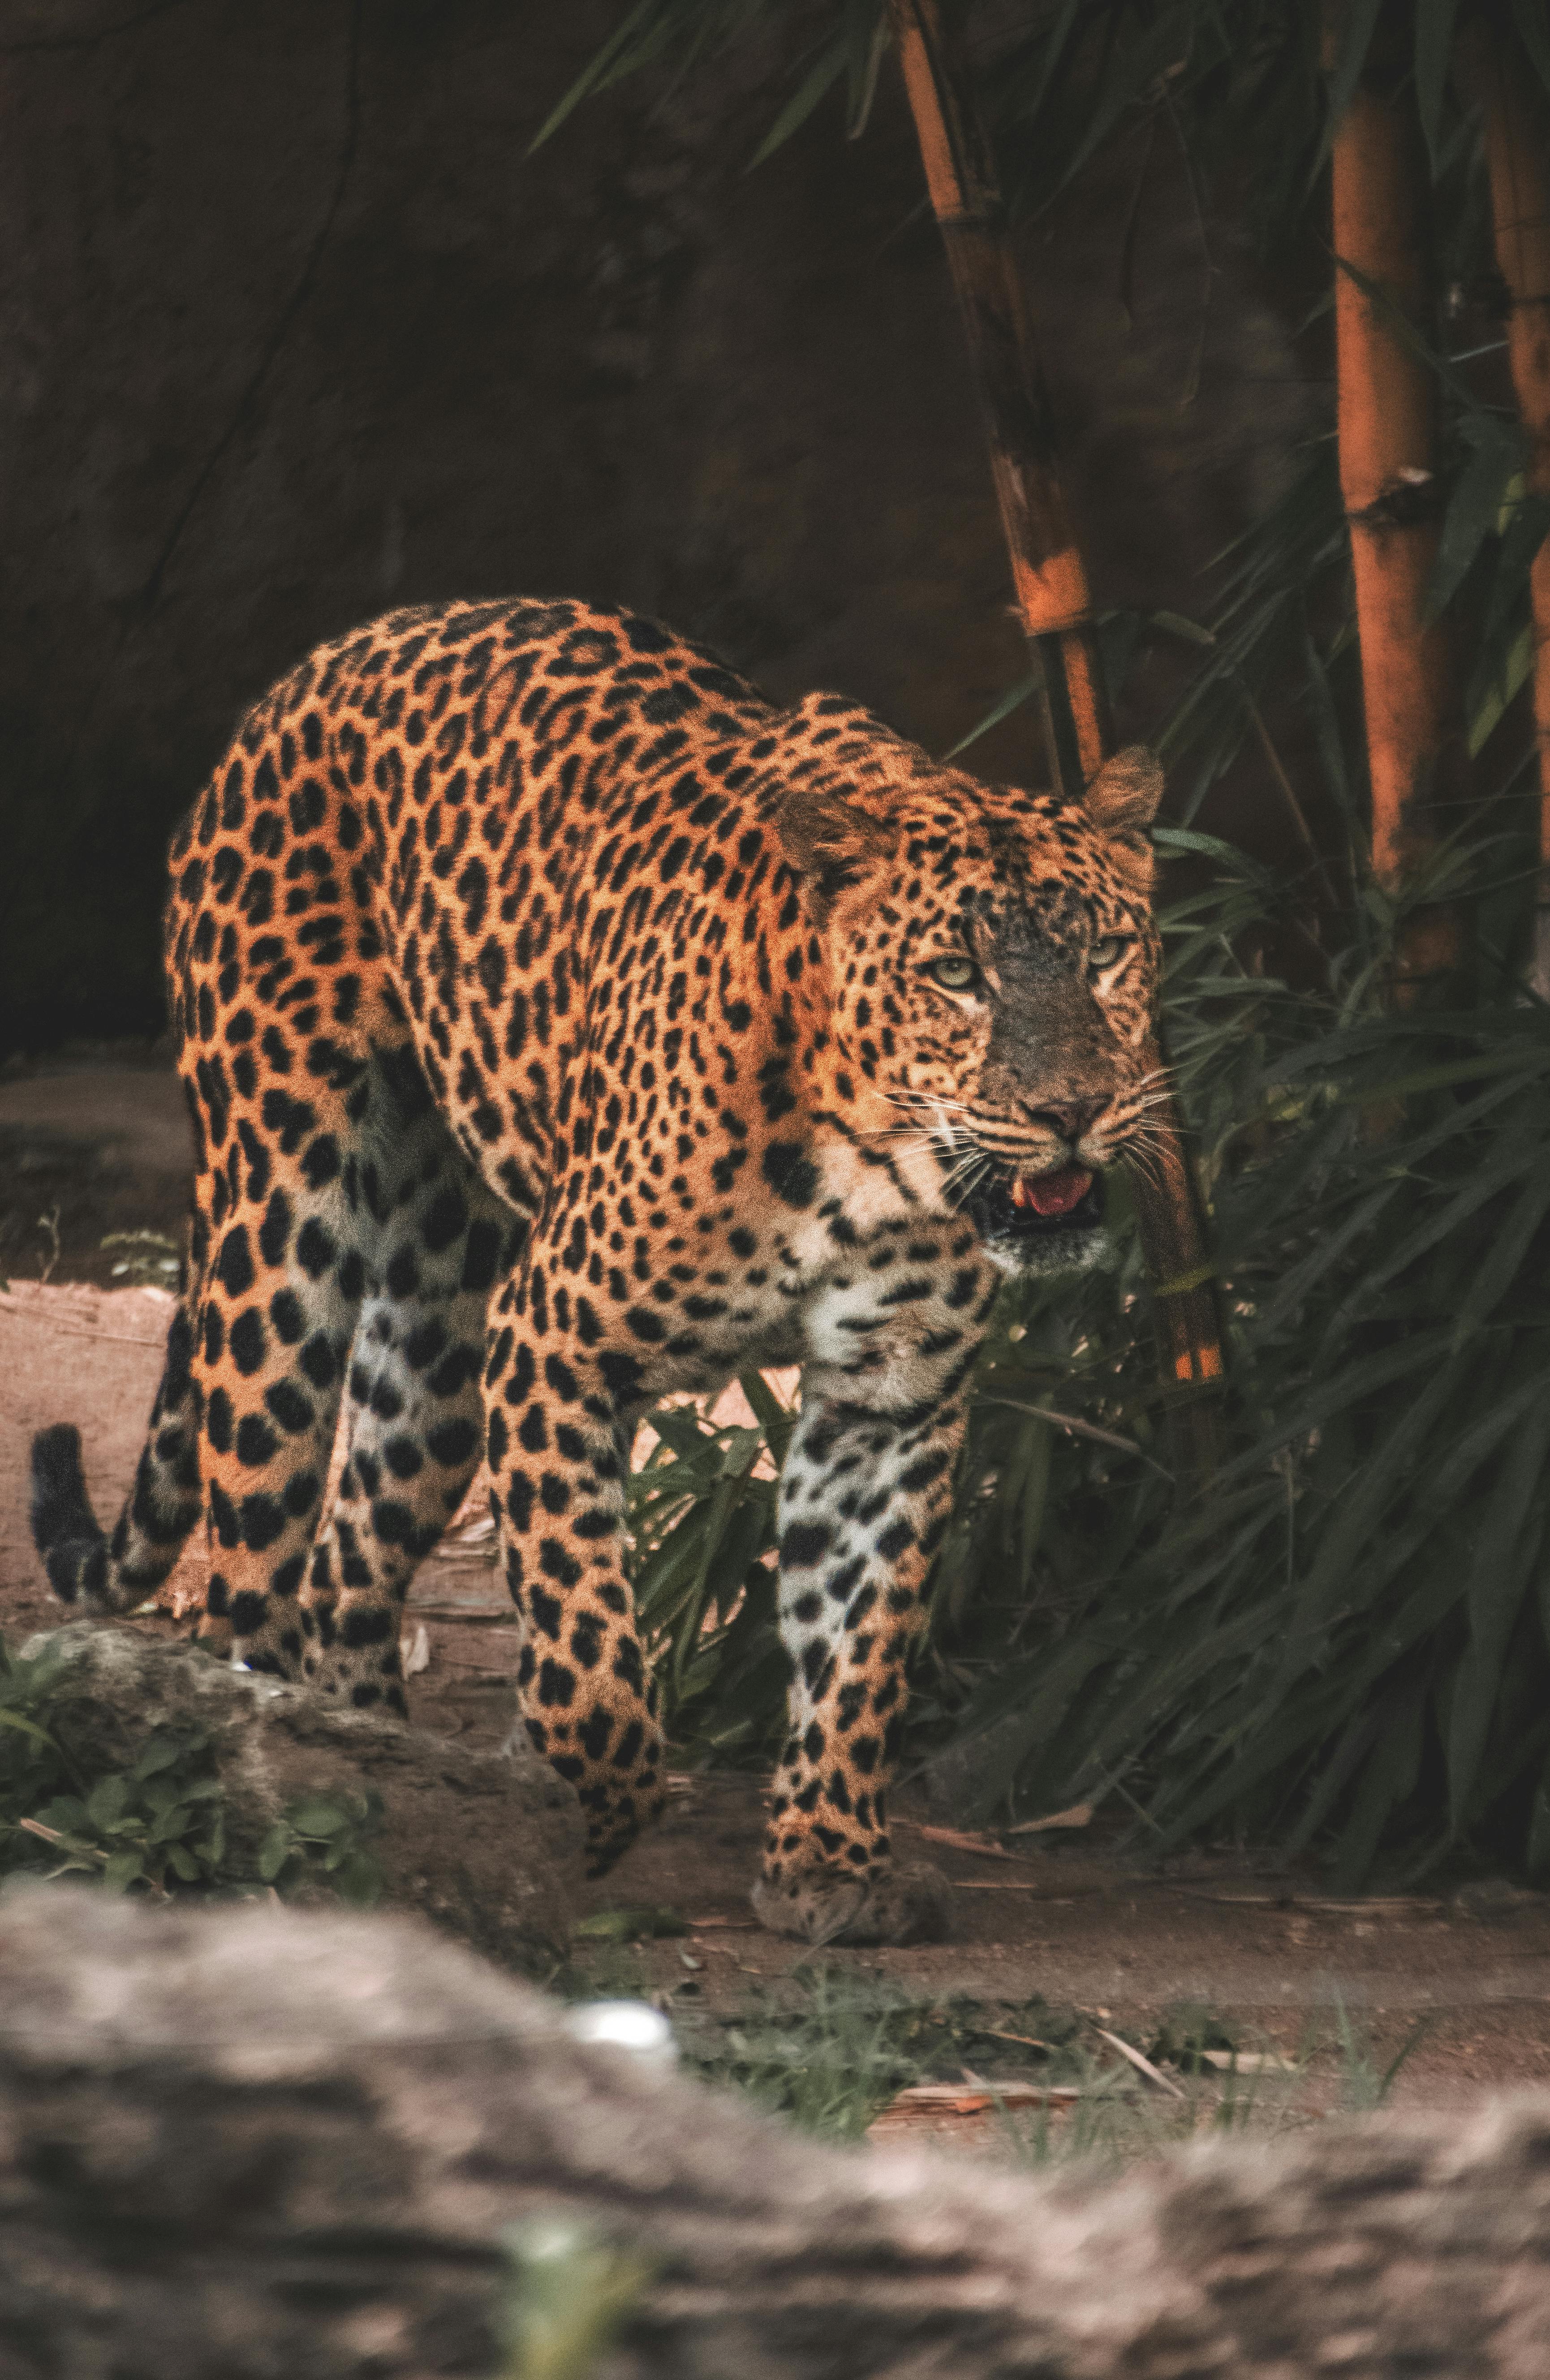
[489, 1845]
[255, 2142]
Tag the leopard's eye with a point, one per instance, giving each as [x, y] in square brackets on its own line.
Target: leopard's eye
[954, 974]
[1108, 953]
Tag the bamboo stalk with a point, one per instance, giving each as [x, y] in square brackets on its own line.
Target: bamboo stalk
[1055, 605]
[1518, 156]
[1385, 408]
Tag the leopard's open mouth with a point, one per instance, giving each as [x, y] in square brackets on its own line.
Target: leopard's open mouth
[1016, 1207]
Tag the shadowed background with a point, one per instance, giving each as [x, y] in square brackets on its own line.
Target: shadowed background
[293, 330]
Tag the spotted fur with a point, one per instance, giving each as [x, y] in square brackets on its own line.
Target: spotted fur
[564, 1024]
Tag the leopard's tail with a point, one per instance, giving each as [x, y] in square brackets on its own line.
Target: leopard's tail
[65, 1528]
[165, 1501]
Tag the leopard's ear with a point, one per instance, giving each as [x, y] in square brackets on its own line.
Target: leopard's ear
[827, 840]
[1122, 801]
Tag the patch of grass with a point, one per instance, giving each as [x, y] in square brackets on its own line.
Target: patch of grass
[831, 2064]
[569, 2292]
[1365, 2084]
[158, 1826]
[634, 1922]
[830, 2049]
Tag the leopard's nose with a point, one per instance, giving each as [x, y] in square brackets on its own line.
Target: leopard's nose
[1070, 1118]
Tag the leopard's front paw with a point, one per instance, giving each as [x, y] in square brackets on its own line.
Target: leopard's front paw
[826, 1904]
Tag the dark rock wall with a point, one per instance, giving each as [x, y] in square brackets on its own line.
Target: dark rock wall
[293, 330]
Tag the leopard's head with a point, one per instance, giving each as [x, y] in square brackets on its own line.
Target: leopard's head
[993, 970]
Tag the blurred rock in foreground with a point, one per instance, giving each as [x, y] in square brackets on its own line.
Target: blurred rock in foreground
[259, 2142]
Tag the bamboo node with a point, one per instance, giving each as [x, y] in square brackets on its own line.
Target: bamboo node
[1410, 498]
[1198, 1364]
[1181, 1283]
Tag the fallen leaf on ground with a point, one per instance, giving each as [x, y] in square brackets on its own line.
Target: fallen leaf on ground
[1246, 2061]
[973, 2099]
[1142, 2065]
[962, 1842]
[744, 1924]
[1079, 1815]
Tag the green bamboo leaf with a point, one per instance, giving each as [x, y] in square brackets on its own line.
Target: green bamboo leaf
[1328, 1255]
[599, 70]
[1360, 24]
[1056, 48]
[739, 1452]
[1388, 1780]
[1534, 33]
[1347, 1728]
[772, 1417]
[1469, 1447]
[1331, 1397]
[1206, 847]
[866, 39]
[1326, 731]
[1395, 1088]
[1434, 51]
[1524, 1151]
[1472, 508]
[1517, 668]
[24, 1726]
[1498, 1579]
[1504, 1262]
[809, 94]
[1134, 78]
[1021, 693]
[1524, 523]
[1175, 624]
[1360, 1513]
[1397, 320]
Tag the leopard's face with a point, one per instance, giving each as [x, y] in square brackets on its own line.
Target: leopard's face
[995, 977]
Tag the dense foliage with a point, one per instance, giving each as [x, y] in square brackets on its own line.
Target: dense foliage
[1345, 1638]
[158, 1826]
[1345, 1641]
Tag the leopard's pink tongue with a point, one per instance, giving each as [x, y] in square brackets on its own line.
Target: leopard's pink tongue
[1052, 1193]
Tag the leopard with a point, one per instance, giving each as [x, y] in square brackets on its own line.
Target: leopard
[566, 1025]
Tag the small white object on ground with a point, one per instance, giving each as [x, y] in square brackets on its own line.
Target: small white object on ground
[634, 2025]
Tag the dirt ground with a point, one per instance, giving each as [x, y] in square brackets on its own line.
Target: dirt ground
[1072, 1917]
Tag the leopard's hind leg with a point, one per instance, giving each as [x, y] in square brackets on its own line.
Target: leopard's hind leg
[245, 1415]
[285, 1285]
[413, 1417]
